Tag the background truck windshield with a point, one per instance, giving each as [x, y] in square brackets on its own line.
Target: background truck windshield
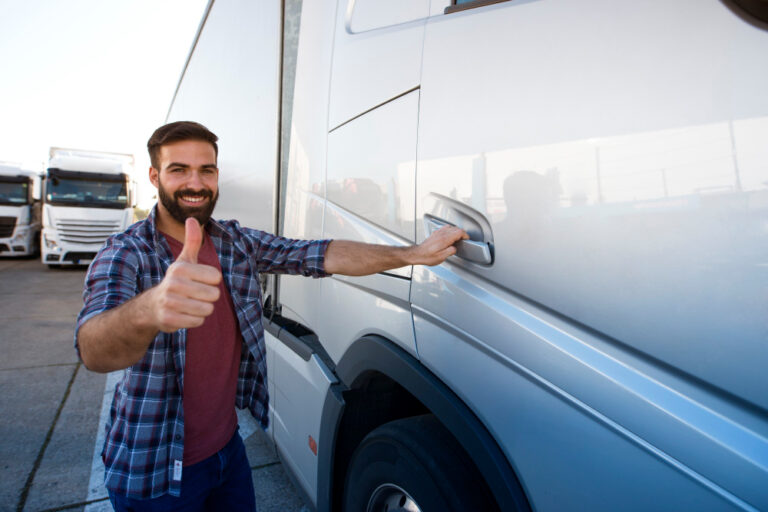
[85, 192]
[13, 193]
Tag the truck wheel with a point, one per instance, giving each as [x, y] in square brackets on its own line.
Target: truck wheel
[413, 464]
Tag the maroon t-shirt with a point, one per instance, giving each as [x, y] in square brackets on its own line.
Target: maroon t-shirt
[210, 371]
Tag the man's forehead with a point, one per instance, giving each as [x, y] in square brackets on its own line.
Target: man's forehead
[195, 152]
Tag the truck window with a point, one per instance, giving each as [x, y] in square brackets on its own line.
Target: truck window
[76, 191]
[13, 193]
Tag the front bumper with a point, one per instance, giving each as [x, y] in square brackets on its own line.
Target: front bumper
[23, 244]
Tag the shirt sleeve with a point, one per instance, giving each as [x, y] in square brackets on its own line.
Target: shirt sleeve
[278, 255]
[111, 280]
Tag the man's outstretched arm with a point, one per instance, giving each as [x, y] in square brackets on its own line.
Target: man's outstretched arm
[360, 259]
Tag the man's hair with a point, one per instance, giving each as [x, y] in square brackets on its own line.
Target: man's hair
[177, 132]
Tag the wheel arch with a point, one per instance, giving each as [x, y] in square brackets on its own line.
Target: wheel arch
[373, 365]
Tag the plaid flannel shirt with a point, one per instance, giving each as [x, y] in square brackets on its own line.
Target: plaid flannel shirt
[145, 432]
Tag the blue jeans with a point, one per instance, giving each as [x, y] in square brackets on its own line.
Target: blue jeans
[220, 482]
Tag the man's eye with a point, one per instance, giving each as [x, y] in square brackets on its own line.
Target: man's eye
[177, 169]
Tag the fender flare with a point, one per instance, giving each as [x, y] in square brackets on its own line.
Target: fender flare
[374, 353]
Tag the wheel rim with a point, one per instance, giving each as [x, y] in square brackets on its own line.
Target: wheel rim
[391, 498]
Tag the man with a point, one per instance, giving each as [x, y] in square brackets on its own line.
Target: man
[179, 308]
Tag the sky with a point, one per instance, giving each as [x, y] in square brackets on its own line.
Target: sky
[88, 74]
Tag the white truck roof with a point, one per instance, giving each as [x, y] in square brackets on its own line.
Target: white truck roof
[10, 169]
[90, 161]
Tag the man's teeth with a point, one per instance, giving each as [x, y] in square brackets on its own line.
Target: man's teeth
[193, 199]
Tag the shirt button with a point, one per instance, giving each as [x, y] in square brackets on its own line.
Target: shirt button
[177, 437]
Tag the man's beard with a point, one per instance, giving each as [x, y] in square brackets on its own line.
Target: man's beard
[180, 212]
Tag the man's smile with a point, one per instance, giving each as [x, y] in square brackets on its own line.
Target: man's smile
[193, 200]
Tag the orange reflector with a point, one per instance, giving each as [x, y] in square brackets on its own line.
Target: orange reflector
[312, 445]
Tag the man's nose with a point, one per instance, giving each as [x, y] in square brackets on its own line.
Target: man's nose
[195, 181]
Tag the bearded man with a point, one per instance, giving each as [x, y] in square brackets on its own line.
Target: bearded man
[178, 308]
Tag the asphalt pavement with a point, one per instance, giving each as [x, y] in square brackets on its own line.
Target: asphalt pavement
[52, 409]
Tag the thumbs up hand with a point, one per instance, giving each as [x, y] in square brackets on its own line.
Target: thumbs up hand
[186, 295]
[193, 239]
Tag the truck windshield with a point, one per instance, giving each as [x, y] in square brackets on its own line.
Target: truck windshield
[14, 193]
[86, 192]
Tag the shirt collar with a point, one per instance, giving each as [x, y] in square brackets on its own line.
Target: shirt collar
[158, 241]
[216, 229]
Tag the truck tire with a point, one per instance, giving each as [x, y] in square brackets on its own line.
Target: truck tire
[413, 464]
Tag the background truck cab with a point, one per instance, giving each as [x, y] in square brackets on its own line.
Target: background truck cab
[19, 211]
[88, 196]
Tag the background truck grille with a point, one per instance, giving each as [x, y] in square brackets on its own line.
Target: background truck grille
[6, 226]
[86, 231]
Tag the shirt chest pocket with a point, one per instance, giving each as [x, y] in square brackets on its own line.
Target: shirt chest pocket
[246, 299]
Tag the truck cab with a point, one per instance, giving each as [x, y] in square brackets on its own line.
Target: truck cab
[600, 342]
[87, 197]
[19, 211]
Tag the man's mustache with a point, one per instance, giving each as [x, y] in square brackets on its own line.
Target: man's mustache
[189, 192]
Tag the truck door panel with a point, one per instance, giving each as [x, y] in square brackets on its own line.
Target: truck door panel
[370, 198]
[371, 169]
[376, 55]
[616, 157]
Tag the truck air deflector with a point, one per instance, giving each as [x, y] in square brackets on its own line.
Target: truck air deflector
[14, 179]
[54, 172]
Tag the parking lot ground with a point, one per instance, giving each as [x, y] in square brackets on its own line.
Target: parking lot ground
[52, 407]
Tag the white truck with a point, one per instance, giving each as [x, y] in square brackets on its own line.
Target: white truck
[600, 343]
[19, 211]
[87, 196]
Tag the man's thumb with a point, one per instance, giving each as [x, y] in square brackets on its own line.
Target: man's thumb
[193, 239]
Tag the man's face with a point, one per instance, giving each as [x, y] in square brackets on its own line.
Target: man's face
[187, 181]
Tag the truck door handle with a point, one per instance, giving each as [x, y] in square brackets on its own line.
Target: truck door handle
[476, 251]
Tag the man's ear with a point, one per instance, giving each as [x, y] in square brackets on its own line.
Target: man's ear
[154, 176]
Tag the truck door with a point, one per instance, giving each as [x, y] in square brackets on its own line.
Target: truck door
[605, 159]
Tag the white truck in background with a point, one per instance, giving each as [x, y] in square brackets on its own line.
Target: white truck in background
[88, 196]
[19, 211]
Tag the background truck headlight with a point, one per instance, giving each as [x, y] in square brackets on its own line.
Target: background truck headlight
[20, 236]
[49, 244]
